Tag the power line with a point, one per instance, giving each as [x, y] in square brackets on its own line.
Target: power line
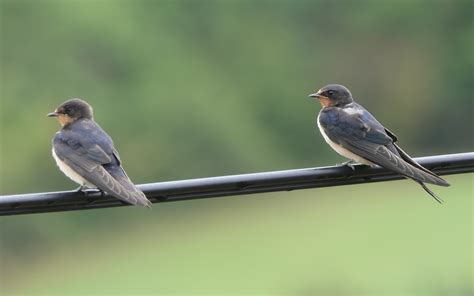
[229, 185]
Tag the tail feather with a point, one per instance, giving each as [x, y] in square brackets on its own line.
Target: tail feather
[137, 194]
[121, 188]
[422, 172]
[437, 198]
[142, 199]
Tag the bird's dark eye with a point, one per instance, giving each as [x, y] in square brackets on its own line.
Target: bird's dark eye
[330, 92]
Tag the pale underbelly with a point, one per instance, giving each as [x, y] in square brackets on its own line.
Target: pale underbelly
[343, 151]
[70, 173]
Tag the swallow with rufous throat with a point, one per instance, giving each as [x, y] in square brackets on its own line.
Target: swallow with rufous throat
[355, 134]
[86, 154]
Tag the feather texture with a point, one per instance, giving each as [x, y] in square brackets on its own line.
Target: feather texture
[86, 149]
[354, 129]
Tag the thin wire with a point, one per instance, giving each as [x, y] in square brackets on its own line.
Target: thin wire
[230, 185]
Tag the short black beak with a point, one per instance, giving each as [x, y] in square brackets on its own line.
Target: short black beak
[53, 114]
[315, 95]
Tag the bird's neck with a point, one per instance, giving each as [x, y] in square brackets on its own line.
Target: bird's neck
[71, 123]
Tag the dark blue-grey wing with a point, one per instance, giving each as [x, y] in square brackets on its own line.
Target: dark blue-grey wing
[116, 170]
[98, 167]
[410, 160]
[363, 135]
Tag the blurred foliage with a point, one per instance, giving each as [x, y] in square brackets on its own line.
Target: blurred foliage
[205, 88]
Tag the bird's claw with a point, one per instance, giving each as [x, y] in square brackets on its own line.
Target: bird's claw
[350, 164]
[86, 191]
[81, 188]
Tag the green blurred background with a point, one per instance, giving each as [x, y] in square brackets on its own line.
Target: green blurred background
[193, 89]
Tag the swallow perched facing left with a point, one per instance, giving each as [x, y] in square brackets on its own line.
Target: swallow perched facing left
[86, 154]
[355, 134]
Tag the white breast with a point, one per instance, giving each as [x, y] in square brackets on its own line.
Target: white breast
[68, 171]
[341, 150]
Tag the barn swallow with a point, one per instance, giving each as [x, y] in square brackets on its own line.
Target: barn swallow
[86, 154]
[355, 134]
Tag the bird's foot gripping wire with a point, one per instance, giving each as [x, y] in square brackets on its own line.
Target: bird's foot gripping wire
[89, 191]
[349, 164]
[81, 188]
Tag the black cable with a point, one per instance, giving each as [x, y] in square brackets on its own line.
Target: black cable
[230, 185]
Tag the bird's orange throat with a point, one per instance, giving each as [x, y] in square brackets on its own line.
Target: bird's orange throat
[325, 101]
[64, 119]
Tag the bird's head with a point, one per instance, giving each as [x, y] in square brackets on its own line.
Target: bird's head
[333, 95]
[72, 110]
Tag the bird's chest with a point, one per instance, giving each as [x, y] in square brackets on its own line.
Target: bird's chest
[339, 149]
[70, 173]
